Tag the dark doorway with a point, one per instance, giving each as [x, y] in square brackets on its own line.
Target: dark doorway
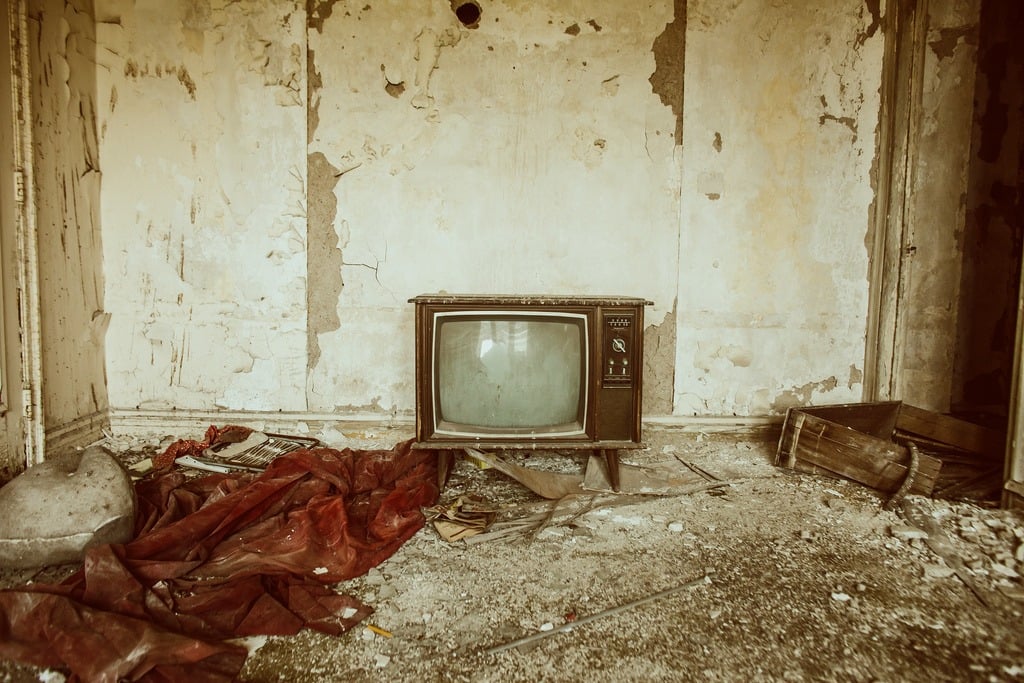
[994, 221]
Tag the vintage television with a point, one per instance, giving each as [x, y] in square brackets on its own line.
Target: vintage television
[536, 372]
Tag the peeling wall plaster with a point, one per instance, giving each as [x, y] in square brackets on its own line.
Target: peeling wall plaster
[204, 203]
[524, 155]
[267, 217]
[780, 103]
[667, 79]
[323, 257]
[67, 189]
[659, 365]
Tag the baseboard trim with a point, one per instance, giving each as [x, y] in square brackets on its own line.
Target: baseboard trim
[75, 434]
[696, 423]
[193, 423]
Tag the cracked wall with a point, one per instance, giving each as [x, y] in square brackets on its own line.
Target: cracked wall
[781, 101]
[528, 154]
[280, 178]
[62, 62]
[202, 119]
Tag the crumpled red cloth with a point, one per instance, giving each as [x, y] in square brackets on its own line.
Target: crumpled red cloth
[224, 556]
[213, 436]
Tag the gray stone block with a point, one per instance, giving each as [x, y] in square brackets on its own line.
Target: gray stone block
[52, 512]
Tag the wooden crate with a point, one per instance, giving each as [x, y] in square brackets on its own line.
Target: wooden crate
[854, 441]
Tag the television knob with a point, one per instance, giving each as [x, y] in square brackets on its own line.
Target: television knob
[619, 345]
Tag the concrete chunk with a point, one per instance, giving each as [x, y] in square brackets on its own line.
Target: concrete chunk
[52, 512]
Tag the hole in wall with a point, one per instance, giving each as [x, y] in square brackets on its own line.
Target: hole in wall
[468, 13]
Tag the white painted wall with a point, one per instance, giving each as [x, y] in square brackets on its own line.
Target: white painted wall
[781, 106]
[528, 155]
[203, 143]
[520, 158]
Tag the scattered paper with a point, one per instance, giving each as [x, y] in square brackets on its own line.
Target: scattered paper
[467, 516]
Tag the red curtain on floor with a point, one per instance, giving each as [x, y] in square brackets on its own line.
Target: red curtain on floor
[224, 556]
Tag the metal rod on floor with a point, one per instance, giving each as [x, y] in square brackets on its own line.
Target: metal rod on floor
[568, 626]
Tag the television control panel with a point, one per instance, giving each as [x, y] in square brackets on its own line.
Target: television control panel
[619, 357]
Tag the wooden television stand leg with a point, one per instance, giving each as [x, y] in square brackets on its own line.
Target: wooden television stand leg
[611, 456]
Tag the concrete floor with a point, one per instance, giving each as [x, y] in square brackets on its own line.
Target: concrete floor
[780, 576]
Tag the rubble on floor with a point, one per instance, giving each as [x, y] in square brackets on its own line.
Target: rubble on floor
[811, 578]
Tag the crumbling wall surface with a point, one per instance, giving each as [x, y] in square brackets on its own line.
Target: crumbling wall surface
[66, 173]
[527, 153]
[936, 203]
[202, 111]
[780, 110]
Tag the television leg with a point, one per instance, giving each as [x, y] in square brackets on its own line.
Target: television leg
[445, 460]
[611, 456]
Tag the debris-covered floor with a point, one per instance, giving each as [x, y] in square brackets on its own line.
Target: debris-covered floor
[808, 579]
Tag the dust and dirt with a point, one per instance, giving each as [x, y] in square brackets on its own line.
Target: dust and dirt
[807, 579]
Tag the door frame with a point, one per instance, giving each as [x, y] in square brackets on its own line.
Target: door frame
[905, 26]
[19, 275]
[892, 237]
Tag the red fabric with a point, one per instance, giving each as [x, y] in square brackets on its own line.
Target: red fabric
[224, 556]
[214, 436]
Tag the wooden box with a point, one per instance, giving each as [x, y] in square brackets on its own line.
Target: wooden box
[855, 441]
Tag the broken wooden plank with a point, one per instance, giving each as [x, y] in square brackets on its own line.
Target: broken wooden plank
[875, 419]
[950, 430]
[938, 542]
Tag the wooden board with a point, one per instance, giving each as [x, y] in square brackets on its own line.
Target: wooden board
[950, 430]
[875, 419]
[811, 443]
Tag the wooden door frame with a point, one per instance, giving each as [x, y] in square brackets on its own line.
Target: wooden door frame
[905, 29]
[20, 307]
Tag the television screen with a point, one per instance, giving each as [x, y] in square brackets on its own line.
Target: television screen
[510, 373]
